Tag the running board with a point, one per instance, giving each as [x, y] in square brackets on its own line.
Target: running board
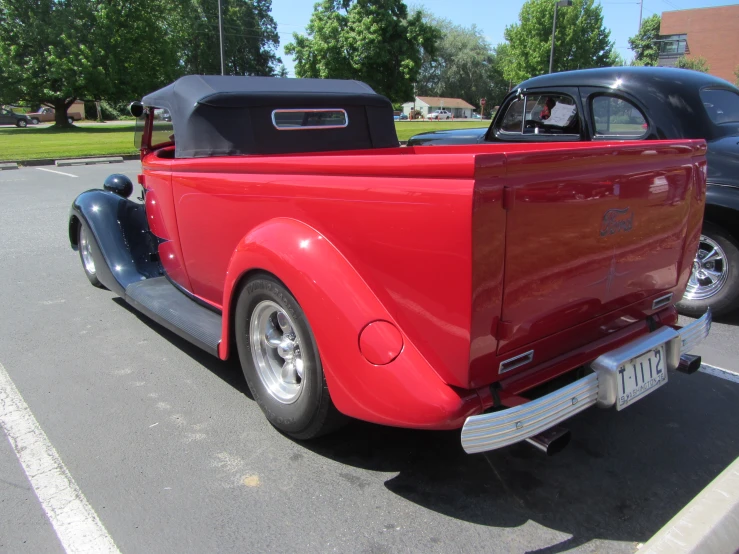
[161, 301]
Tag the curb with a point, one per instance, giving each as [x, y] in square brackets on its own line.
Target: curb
[89, 161]
[4, 166]
[51, 161]
[709, 523]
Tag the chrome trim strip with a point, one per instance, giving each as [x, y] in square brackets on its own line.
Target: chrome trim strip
[661, 301]
[498, 429]
[693, 334]
[516, 362]
[310, 127]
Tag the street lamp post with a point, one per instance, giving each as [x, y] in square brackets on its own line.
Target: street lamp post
[220, 33]
[563, 4]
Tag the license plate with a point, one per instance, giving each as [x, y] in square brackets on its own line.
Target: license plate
[640, 376]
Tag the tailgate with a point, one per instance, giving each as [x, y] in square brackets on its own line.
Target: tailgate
[591, 230]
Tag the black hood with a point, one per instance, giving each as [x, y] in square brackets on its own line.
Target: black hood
[453, 136]
[723, 161]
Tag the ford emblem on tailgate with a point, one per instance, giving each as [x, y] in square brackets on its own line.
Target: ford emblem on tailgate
[616, 221]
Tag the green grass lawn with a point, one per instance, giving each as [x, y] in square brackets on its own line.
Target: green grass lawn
[33, 143]
[406, 129]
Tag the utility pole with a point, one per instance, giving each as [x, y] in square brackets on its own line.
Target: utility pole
[562, 3]
[220, 33]
[641, 9]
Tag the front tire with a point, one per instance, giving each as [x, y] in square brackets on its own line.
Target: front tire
[70, 120]
[21, 123]
[35, 121]
[280, 360]
[714, 281]
[84, 245]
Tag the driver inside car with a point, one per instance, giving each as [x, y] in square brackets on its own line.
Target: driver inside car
[546, 109]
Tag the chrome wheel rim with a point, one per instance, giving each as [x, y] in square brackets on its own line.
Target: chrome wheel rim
[710, 271]
[276, 349]
[86, 252]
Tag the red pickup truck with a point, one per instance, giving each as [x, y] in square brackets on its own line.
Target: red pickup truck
[497, 288]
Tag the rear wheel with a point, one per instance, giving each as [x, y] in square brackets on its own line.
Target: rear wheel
[35, 121]
[714, 281]
[21, 123]
[85, 248]
[280, 360]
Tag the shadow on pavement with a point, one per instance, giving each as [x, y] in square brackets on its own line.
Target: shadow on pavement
[728, 319]
[229, 371]
[623, 476]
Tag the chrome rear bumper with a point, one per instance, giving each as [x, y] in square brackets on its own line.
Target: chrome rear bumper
[495, 430]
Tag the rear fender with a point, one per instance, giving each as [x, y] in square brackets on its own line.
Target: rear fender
[122, 245]
[339, 305]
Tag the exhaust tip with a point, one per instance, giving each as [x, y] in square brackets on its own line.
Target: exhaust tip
[552, 441]
[689, 364]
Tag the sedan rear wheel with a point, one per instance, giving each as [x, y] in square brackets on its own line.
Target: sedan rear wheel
[21, 123]
[713, 281]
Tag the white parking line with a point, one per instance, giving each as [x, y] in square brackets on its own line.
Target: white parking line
[54, 171]
[719, 372]
[75, 522]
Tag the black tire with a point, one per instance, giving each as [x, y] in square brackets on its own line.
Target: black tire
[70, 120]
[21, 123]
[726, 298]
[35, 121]
[83, 236]
[313, 413]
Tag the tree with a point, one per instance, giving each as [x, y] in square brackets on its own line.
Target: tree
[581, 39]
[55, 51]
[696, 64]
[644, 44]
[375, 41]
[465, 66]
[250, 38]
[616, 59]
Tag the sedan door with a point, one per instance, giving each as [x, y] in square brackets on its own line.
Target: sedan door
[6, 118]
[554, 114]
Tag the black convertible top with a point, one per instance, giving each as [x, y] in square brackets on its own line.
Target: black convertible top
[215, 115]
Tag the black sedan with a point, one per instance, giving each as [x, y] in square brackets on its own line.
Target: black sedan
[8, 117]
[639, 103]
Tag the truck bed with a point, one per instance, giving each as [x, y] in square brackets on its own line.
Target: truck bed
[481, 253]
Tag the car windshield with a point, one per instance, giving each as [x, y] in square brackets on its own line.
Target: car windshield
[722, 105]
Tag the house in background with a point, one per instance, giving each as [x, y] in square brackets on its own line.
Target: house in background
[710, 33]
[430, 104]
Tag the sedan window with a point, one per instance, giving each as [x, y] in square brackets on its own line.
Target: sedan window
[541, 114]
[722, 105]
[617, 117]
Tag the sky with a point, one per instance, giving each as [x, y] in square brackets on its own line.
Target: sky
[492, 16]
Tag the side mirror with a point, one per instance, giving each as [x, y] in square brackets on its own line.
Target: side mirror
[136, 109]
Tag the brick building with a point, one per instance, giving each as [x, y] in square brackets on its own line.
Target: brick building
[711, 33]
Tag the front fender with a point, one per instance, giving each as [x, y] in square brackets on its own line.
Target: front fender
[121, 245]
[339, 305]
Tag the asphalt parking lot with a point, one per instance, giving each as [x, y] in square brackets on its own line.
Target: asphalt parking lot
[169, 450]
